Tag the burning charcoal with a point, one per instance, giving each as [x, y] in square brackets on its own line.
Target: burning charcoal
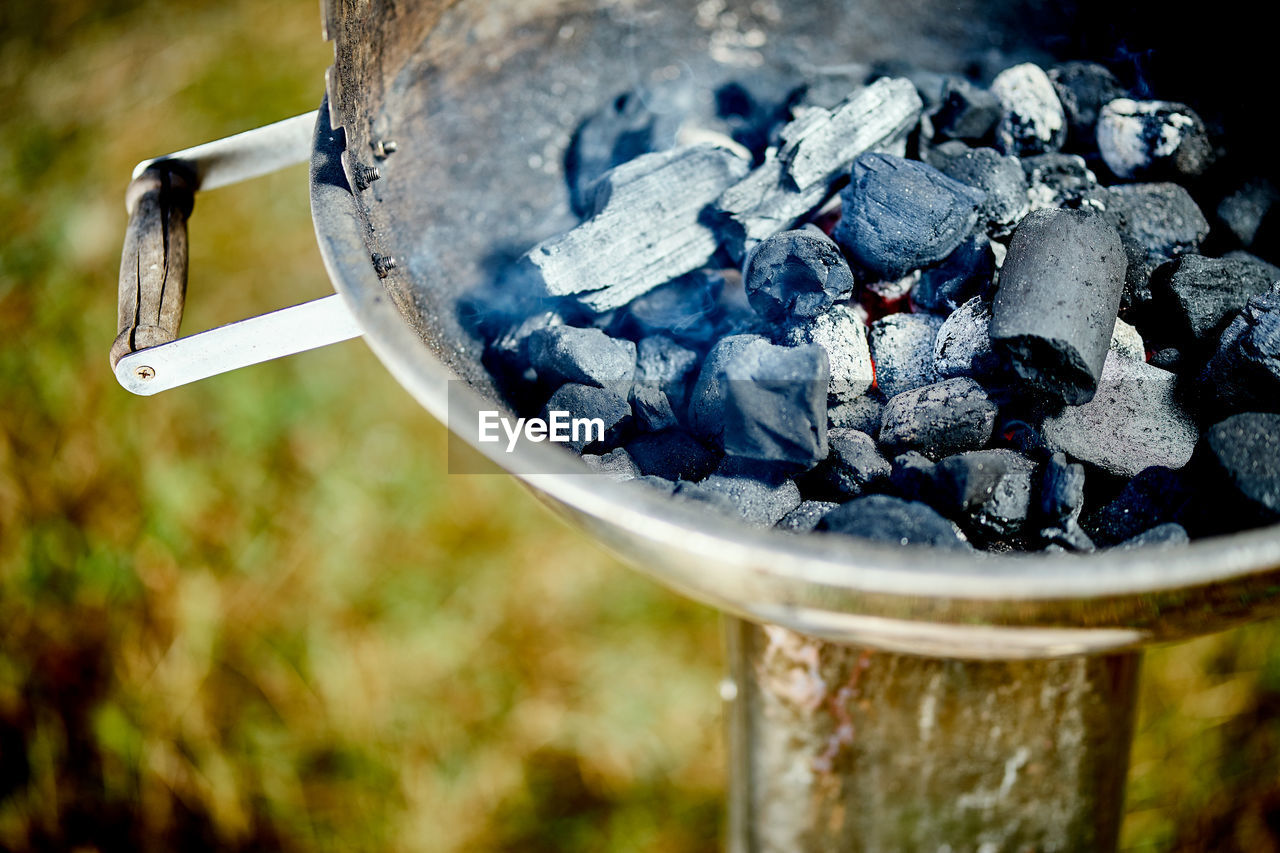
[683, 309]
[900, 214]
[567, 354]
[913, 477]
[893, 520]
[1055, 307]
[1157, 495]
[1084, 88]
[672, 455]
[765, 402]
[966, 272]
[853, 465]
[1033, 121]
[616, 465]
[1000, 177]
[963, 345]
[1127, 341]
[1061, 180]
[1061, 490]
[991, 489]
[816, 150]
[652, 408]
[1160, 536]
[889, 296]
[1250, 210]
[622, 131]
[804, 518]
[588, 401]
[1244, 374]
[842, 334]
[1134, 421]
[1242, 452]
[1017, 434]
[796, 274]
[861, 413]
[663, 362]
[645, 230]
[757, 502]
[966, 112]
[1200, 295]
[938, 420]
[1139, 139]
[902, 351]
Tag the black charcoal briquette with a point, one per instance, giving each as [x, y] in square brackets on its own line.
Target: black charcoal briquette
[589, 401]
[1200, 295]
[1055, 307]
[796, 275]
[1084, 88]
[1000, 177]
[938, 420]
[989, 489]
[672, 455]
[1244, 373]
[902, 351]
[966, 111]
[588, 356]
[901, 214]
[804, 518]
[764, 402]
[1242, 449]
[883, 518]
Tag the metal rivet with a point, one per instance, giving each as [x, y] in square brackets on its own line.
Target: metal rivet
[365, 175]
[383, 264]
[144, 372]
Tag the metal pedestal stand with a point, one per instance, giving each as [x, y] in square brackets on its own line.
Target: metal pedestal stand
[842, 748]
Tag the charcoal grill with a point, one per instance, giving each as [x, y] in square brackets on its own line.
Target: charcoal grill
[878, 698]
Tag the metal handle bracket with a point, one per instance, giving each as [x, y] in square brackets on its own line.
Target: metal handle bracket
[147, 355]
[313, 324]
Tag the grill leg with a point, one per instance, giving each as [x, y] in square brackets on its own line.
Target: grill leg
[839, 748]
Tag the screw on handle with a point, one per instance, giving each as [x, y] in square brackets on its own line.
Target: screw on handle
[153, 268]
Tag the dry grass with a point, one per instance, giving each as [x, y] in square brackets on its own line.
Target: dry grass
[256, 614]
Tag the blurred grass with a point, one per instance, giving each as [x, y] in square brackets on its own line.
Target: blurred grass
[256, 614]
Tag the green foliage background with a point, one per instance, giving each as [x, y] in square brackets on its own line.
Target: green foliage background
[255, 613]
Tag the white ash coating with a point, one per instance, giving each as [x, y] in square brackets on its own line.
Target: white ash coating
[1133, 422]
[1136, 136]
[1127, 341]
[841, 332]
[1033, 121]
[963, 345]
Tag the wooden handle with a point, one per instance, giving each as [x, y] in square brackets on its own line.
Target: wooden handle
[153, 269]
